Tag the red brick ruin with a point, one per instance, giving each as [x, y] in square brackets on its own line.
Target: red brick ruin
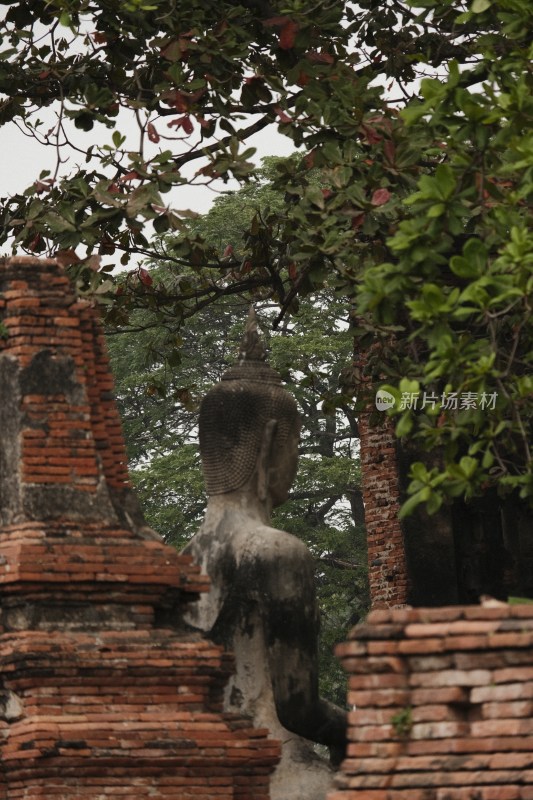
[443, 700]
[387, 568]
[104, 691]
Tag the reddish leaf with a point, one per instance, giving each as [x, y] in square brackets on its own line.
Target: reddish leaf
[319, 58]
[303, 79]
[380, 197]
[43, 186]
[293, 271]
[228, 251]
[44, 74]
[326, 193]
[35, 242]
[204, 123]
[107, 246]
[310, 159]
[194, 96]
[182, 122]
[357, 221]
[99, 37]
[283, 116]
[176, 50]
[188, 127]
[222, 27]
[130, 176]
[287, 35]
[178, 99]
[152, 133]
[383, 122]
[66, 257]
[246, 267]
[94, 262]
[145, 277]
[208, 170]
[371, 135]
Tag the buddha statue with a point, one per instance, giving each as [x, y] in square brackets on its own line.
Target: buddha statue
[262, 604]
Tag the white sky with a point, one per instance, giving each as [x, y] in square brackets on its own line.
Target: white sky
[22, 160]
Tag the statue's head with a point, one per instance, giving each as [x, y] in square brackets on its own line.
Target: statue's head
[246, 419]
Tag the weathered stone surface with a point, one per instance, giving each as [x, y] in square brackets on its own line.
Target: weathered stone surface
[99, 696]
[263, 600]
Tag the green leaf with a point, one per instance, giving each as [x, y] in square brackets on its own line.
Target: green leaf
[414, 501]
[436, 210]
[118, 139]
[434, 503]
[445, 181]
[58, 224]
[404, 425]
[419, 472]
[315, 196]
[478, 6]
[463, 267]
[468, 466]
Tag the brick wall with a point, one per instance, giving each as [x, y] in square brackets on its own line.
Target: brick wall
[387, 569]
[99, 696]
[443, 703]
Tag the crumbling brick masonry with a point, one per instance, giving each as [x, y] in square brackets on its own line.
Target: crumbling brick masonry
[99, 695]
[443, 702]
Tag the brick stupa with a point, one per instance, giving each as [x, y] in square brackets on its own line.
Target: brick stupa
[102, 696]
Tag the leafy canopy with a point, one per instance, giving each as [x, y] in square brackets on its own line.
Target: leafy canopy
[457, 284]
[417, 118]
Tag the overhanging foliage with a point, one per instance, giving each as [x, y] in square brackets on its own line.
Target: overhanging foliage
[421, 218]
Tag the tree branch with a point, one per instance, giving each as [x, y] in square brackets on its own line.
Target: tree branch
[338, 563]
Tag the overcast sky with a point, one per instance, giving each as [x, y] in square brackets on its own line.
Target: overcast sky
[22, 160]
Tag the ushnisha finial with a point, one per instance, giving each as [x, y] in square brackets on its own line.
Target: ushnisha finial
[252, 346]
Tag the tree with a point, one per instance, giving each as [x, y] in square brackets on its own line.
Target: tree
[193, 77]
[420, 218]
[455, 293]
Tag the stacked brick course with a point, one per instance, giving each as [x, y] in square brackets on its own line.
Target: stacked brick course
[387, 568]
[443, 705]
[99, 697]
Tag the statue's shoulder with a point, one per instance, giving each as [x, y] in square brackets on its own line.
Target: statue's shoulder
[242, 541]
[271, 544]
